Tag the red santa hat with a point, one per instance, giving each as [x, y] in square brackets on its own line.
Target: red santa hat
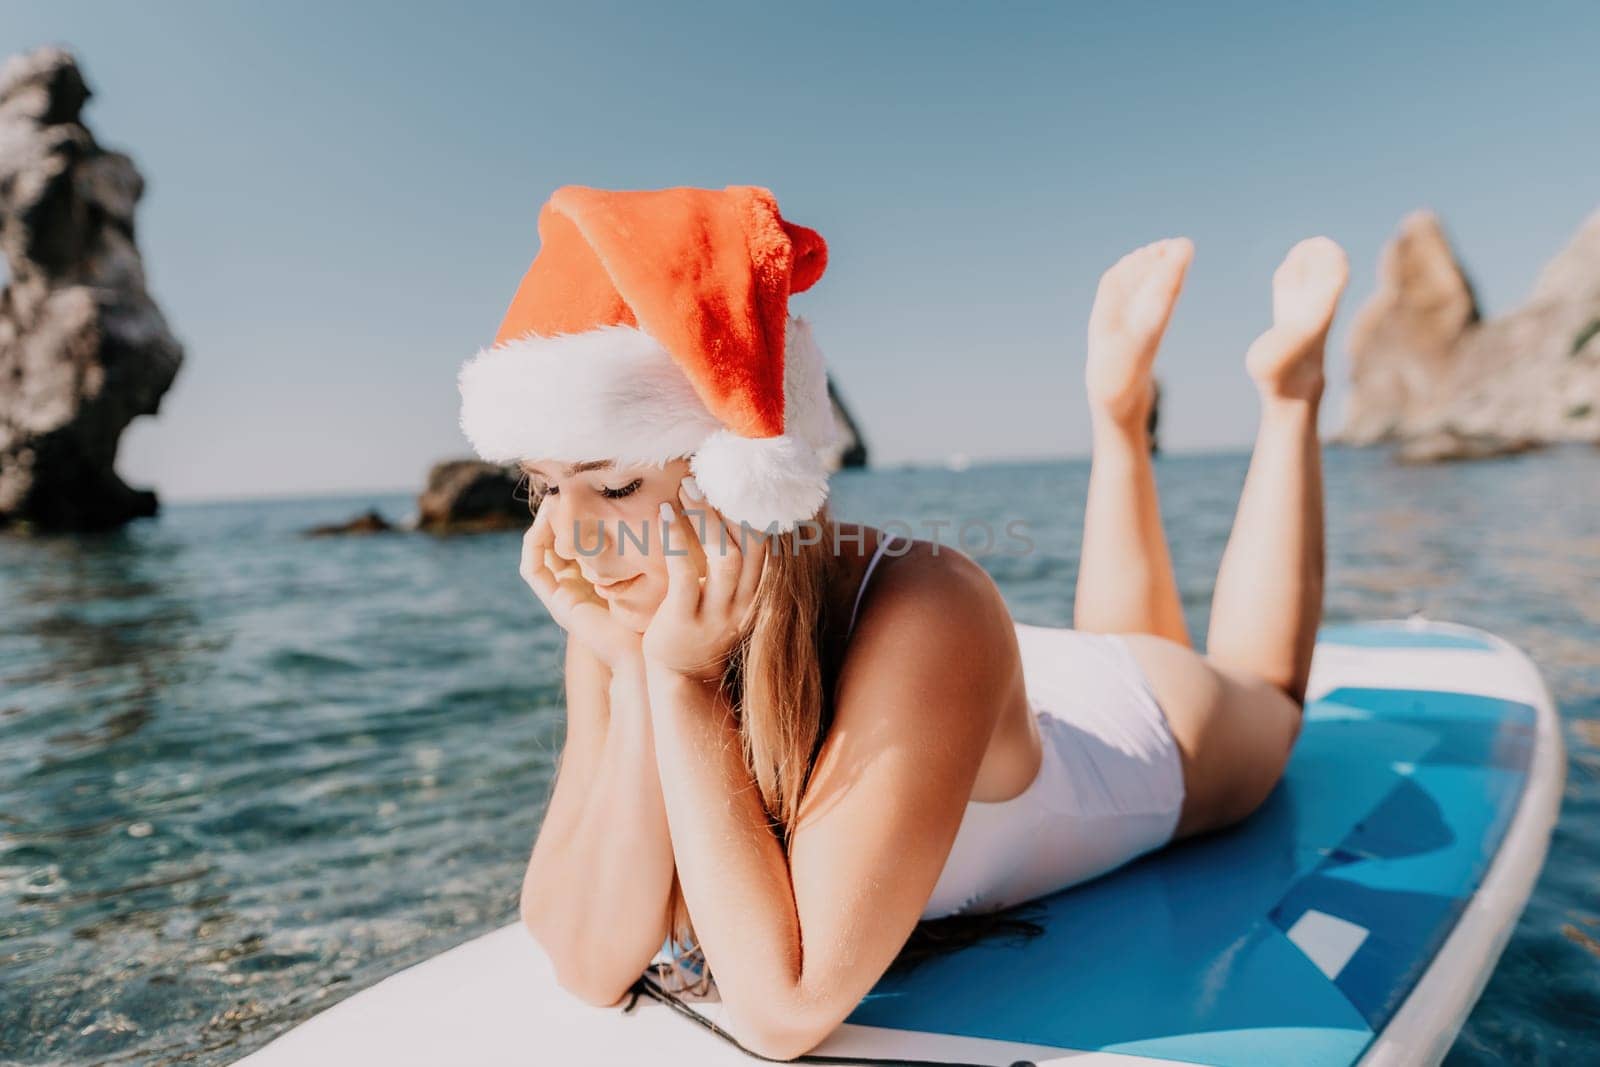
[654, 325]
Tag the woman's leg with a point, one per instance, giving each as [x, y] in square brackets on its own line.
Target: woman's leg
[1268, 597]
[1236, 711]
[1125, 580]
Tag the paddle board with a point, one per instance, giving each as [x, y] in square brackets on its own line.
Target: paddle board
[1353, 919]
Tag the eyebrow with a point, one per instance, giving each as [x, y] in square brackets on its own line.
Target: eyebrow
[577, 468]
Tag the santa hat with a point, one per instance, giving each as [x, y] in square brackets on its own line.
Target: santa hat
[653, 325]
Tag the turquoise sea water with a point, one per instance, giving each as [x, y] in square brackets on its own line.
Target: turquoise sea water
[244, 773]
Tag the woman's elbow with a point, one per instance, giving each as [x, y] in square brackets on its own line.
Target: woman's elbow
[579, 978]
[572, 967]
[782, 1044]
[781, 1039]
[594, 990]
[533, 920]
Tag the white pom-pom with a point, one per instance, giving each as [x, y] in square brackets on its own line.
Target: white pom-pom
[764, 481]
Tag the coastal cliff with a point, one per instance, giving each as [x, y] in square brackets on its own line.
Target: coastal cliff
[1430, 373]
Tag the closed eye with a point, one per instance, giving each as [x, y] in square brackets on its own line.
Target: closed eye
[613, 494]
[627, 490]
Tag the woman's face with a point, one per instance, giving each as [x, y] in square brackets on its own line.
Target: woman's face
[606, 519]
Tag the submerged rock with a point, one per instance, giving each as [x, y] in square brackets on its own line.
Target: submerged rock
[368, 522]
[83, 348]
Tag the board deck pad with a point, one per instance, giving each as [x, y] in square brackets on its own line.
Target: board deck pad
[1291, 938]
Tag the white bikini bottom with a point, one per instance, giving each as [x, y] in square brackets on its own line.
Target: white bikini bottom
[1109, 788]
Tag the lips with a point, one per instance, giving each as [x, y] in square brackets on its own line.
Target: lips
[615, 587]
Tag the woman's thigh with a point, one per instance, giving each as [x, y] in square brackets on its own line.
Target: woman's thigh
[1234, 730]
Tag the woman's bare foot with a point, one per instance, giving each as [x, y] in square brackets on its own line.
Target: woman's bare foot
[1286, 361]
[1131, 309]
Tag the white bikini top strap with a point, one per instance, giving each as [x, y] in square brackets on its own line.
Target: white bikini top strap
[883, 543]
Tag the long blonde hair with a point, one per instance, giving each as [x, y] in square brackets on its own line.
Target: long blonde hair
[775, 682]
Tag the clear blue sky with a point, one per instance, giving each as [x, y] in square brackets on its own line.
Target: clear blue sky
[341, 197]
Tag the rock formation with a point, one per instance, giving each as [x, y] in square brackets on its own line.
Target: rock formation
[466, 495]
[1152, 426]
[1402, 341]
[854, 451]
[83, 348]
[1430, 373]
[368, 522]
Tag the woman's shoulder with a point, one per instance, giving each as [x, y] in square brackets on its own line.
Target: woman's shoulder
[926, 591]
[933, 644]
[928, 560]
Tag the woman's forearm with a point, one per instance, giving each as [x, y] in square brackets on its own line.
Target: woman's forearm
[731, 866]
[597, 884]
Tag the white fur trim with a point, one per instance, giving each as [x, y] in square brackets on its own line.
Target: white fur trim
[807, 410]
[764, 481]
[608, 393]
[615, 393]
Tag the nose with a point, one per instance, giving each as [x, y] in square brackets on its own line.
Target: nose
[579, 532]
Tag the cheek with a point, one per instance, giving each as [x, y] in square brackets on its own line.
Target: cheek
[641, 522]
[652, 588]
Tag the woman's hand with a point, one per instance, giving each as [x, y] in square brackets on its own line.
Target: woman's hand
[571, 600]
[704, 614]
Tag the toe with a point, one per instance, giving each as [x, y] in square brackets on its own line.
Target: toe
[1319, 255]
[1314, 266]
[1179, 252]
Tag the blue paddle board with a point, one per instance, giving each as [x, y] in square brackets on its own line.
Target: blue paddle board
[1353, 919]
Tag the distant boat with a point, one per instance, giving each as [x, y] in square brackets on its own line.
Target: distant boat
[957, 461]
